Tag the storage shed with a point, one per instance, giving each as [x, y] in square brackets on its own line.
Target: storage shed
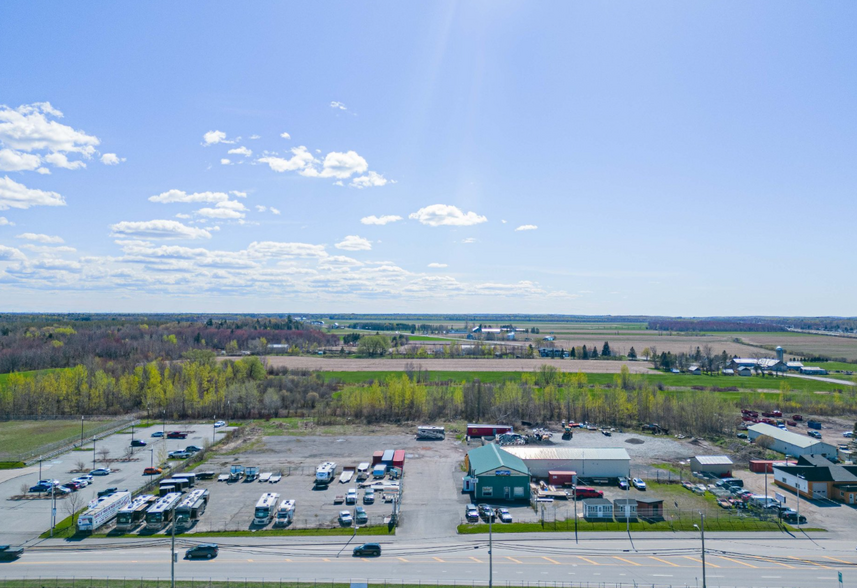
[608, 462]
[497, 474]
[650, 508]
[719, 465]
[399, 459]
[597, 509]
[791, 443]
[624, 509]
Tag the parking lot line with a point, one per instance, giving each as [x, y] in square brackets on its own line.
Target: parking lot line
[438, 559]
[839, 560]
[669, 563]
[553, 561]
[700, 561]
[476, 560]
[633, 563]
[587, 560]
[514, 560]
[737, 561]
[810, 562]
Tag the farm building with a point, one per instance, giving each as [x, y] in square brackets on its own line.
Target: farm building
[719, 465]
[791, 443]
[694, 370]
[744, 371]
[813, 371]
[727, 372]
[650, 508]
[608, 462]
[597, 508]
[794, 366]
[816, 477]
[624, 508]
[497, 474]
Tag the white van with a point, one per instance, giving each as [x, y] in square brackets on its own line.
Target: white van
[363, 471]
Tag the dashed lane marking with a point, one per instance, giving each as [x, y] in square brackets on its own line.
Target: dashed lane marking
[514, 560]
[839, 560]
[738, 561]
[669, 563]
[553, 561]
[476, 560]
[438, 559]
[402, 559]
[810, 562]
[633, 563]
[587, 560]
[700, 561]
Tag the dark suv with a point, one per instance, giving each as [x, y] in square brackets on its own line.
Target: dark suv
[9, 553]
[370, 549]
[487, 513]
[204, 550]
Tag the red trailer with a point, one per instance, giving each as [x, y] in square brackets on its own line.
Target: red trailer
[766, 466]
[399, 459]
[561, 477]
[377, 457]
[474, 430]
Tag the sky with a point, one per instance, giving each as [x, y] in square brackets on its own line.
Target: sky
[666, 158]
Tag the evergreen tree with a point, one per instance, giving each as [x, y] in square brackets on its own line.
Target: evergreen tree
[632, 354]
[594, 353]
[585, 353]
[573, 354]
[605, 351]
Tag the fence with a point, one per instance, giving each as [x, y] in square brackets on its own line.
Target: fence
[52, 449]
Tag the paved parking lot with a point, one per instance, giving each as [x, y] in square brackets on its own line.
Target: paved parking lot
[25, 519]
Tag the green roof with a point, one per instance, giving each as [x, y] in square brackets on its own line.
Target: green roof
[490, 457]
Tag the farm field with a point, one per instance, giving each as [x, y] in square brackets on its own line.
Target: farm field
[24, 436]
[337, 364]
[801, 344]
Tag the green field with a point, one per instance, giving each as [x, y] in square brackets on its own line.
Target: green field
[835, 365]
[4, 377]
[23, 437]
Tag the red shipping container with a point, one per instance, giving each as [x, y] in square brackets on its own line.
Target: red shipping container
[561, 478]
[377, 457]
[474, 430]
[399, 458]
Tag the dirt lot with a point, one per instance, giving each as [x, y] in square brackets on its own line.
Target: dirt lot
[335, 364]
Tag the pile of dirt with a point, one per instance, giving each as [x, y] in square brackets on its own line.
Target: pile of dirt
[634, 441]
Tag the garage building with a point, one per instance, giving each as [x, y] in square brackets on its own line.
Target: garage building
[609, 462]
[817, 477]
[497, 474]
[719, 465]
[791, 443]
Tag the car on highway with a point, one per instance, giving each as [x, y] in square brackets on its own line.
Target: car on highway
[138, 443]
[152, 472]
[158, 434]
[638, 484]
[9, 553]
[623, 483]
[100, 472]
[367, 549]
[345, 518]
[203, 550]
[504, 515]
[360, 516]
[219, 424]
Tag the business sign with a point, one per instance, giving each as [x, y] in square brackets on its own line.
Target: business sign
[502, 472]
[780, 498]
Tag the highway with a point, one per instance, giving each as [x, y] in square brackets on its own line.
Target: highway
[749, 560]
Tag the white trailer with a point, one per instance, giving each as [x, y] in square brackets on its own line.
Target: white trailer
[265, 508]
[325, 473]
[426, 432]
[285, 513]
[103, 511]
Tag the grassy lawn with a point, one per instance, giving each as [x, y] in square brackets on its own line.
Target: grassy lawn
[19, 437]
[671, 525]
[835, 365]
[427, 338]
[59, 582]
[4, 377]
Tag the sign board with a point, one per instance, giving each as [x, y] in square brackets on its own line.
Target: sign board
[780, 498]
[502, 472]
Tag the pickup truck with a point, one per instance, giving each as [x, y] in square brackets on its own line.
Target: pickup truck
[9, 553]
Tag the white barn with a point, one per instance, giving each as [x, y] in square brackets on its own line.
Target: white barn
[607, 462]
[790, 443]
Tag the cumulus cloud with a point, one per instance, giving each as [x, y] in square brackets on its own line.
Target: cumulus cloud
[280, 249]
[338, 105]
[240, 151]
[225, 161]
[438, 215]
[369, 180]
[29, 128]
[527, 228]
[6, 222]
[338, 165]
[261, 208]
[111, 159]
[301, 159]
[437, 265]
[380, 220]
[274, 210]
[60, 160]
[215, 137]
[171, 196]
[11, 160]
[49, 249]
[285, 135]
[15, 195]
[227, 210]
[41, 238]
[239, 194]
[157, 229]
[469, 240]
[11, 254]
[354, 243]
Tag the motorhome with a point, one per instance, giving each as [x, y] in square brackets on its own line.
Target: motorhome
[325, 473]
[431, 433]
[162, 511]
[191, 508]
[190, 477]
[133, 514]
[285, 513]
[265, 508]
[103, 511]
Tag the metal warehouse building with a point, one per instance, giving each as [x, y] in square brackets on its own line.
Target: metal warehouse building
[496, 474]
[791, 443]
[719, 465]
[608, 462]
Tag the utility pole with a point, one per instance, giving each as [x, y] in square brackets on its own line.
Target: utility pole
[54, 509]
[81, 430]
[574, 494]
[214, 430]
[93, 452]
[40, 467]
[173, 552]
[701, 528]
[491, 549]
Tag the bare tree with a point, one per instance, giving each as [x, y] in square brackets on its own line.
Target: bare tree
[71, 505]
[104, 453]
[80, 466]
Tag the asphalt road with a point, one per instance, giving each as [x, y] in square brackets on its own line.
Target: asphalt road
[750, 560]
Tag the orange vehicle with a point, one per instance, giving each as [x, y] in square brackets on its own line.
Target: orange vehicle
[152, 471]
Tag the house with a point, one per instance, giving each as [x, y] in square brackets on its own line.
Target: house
[790, 443]
[496, 474]
[743, 370]
[588, 462]
[694, 370]
[814, 476]
[597, 508]
[719, 465]
[510, 336]
[650, 508]
[625, 509]
[813, 371]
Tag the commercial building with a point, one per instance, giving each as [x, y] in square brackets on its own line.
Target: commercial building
[719, 465]
[815, 476]
[495, 474]
[791, 443]
[609, 462]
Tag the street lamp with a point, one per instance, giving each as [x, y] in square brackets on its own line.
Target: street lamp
[800, 476]
[81, 430]
[93, 452]
[491, 549]
[701, 528]
[574, 495]
[214, 430]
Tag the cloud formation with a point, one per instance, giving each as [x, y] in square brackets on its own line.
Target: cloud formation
[15, 195]
[214, 137]
[354, 243]
[11, 160]
[437, 265]
[240, 151]
[29, 128]
[285, 135]
[380, 220]
[111, 159]
[527, 228]
[371, 179]
[40, 238]
[171, 196]
[338, 105]
[438, 215]
[157, 229]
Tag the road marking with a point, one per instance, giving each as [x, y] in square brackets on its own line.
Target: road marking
[403, 559]
[325, 559]
[514, 560]
[438, 559]
[476, 560]
[772, 577]
[811, 562]
[288, 560]
[777, 562]
[553, 561]
[587, 560]
[839, 560]
[700, 561]
[633, 563]
[738, 561]
[662, 575]
[669, 563]
[250, 560]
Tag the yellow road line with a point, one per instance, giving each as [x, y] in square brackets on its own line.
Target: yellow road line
[553, 561]
[438, 559]
[633, 563]
[839, 560]
[402, 559]
[776, 562]
[514, 560]
[737, 561]
[669, 563]
[476, 560]
[700, 561]
[811, 562]
[288, 560]
[587, 560]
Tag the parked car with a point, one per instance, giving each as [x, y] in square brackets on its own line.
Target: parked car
[797, 417]
[180, 454]
[138, 443]
[367, 549]
[487, 513]
[152, 472]
[107, 492]
[345, 518]
[71, 486]
[638, 484]
[84, 481]
[742, 436]
[791, 423]
[471, 514]
[585, 492]
[623, 483]
[814, 434]
[40, 488]
[849, 434]
[176, 435]
[504, 515]
[9, 553]
[351, 496]
[219, 424]
[100, 472]
[369, 496]
[360, 516]
[791, 517]
[203, 550]
[158, 434]
[193, 448]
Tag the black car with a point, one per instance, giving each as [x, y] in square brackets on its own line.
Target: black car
[9, 553]
[487, 513]
[107, 492]
[203, 550]
[138, 443]
[370, 549]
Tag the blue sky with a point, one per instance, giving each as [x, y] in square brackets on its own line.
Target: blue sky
[661, 158]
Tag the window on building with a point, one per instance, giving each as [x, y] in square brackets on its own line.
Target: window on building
[518, 492]
[487, 491]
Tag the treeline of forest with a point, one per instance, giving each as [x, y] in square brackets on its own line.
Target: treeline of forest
[712, 325]
[35, 344]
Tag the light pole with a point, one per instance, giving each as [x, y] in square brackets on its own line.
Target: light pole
[491, 549]
[701, 528]
[574, 495]
[93, 452]
[798, 498]
[40, 467]
[81, 430]
[214, 430]
[173, 552]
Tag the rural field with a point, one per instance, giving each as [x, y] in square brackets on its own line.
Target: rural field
[803, 344]
[21, 437]
[336, 364]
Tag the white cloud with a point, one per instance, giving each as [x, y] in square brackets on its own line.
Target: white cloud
[469, 240]
[438, 215]
[221, 213]
[240, 151]
[369, 180]
[301, 158]
[214, 137]
[183, 215]
[274, 210]
[254, 137]
[181, 196]
[527, 228]
[60, 160]
[285, 135]
[11, 254]
[15, 195]
[40, 238]
[279, 249]
[225, 161]
[111, 159]
[231, 205]
[239, 194]
[503, 221]
[261, 208]
[338, 165]
[354, 243]
[380, 220]
[49, 249]
[11, 160]
[44, 171]
[27, 128]
[6, 222]
[338, 105]
[157, 229]
[437, 265]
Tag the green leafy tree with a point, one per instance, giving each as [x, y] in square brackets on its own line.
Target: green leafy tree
[373, 346]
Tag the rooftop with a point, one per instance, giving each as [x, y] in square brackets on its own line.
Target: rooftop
[713, 459]
[490, 457]
[569, 453]
[785, 436]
